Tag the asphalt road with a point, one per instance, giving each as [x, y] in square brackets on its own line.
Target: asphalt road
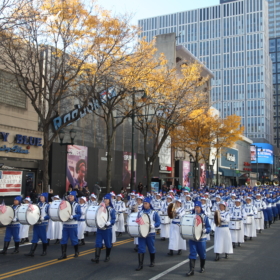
[257, 259]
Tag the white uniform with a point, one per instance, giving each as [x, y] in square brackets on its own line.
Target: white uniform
[251, 211]
[259, 205]
[156, 204]
[82, 221]
[91, 203]
[237, 213]
[164, 229]
[188, 206]
[222, 240]
[176, 242]
[120, 209]
[24, 230]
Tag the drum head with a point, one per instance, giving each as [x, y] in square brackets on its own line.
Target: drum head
[145, 228]
[102, 216]
[7, 217]
[91, 215]
[65, 212]
[197, 227]
[33, 216]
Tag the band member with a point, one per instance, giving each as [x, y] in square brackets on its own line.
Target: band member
[268, 210]
[82, 221]
[260, 206]
[237, 213]
[131, 203]
[199, 247]
[40, 229]
[149, 241]
[274, 207]
[188, 204]
[176, 242]
[54, 231]
[70, 227]
[157, 204]
[106, 234]
[222, 240]
[137, 208]
[24, 229]
[12, 230]
[231, 201]
[165, 229]
[250, 227]
[92, 201]
[120, 209]
[208, 200]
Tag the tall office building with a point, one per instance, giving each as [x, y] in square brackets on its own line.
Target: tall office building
[232, 39]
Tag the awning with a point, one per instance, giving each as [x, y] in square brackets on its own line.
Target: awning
[227, 172]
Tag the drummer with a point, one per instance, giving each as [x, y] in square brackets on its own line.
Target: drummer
[260, 206]
[251, 210]
[105, 234]
[70, 227]
[120, 209]
[12, 230]
[199, 247]
[40, 229]
[82, 221]
[24, 229]
[150, 239]
[137, 208]
[92, 202]
[165, 228]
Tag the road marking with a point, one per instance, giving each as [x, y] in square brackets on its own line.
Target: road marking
[174, 267]
[55, 261]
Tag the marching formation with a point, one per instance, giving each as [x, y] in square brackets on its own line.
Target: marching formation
[232, 215]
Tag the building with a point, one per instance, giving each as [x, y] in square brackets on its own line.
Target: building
[232, 40]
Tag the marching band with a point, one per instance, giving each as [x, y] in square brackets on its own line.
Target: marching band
[232, 215]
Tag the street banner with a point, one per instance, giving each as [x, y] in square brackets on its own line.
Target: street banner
[10, 183]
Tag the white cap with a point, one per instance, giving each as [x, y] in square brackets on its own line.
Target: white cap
[55, 196]
[93, 195]
[83, 198]
[27, 198]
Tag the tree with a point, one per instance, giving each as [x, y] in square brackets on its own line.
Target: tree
[172, 97]
[53, 54]
[205, 134]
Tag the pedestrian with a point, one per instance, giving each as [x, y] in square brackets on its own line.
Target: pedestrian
[97, 190]
[140, 187]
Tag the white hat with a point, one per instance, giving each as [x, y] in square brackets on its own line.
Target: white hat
[83, 198]
[169, 196]
[223, 203]
[141, 197]
[120, 195]
[93, 195]
[248, 197]
[27, 198]
[232, 194]
[55, 196]
[112, 193]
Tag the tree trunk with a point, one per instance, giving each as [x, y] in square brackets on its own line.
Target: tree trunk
[109, 164]
[46, 150]
[149, 174]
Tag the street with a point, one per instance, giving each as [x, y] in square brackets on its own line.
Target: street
[256, 259]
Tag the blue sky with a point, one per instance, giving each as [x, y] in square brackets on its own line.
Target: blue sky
[149, 8]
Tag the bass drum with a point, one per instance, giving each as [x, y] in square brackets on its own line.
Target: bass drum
[191, 227]
[135, 229]
[91, 216]
[29, 215]
[102, 216]
[7, 217]
[165, 220]
[60, 211]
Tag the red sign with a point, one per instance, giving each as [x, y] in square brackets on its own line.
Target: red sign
[10, 182]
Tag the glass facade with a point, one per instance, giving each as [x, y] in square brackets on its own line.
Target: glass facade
[231, 39]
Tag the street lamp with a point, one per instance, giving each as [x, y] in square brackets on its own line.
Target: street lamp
[61, 135]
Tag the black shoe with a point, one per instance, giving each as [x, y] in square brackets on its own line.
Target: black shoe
[226, 256]
[238, 244]
[22, 241]
[202, 265]
[192, 265]
[97, 255]
[141, 261]
[5, 248]
[45, 245]
[245, 238]
[265, 225]
[48, 244]
[32, 250]
[217, 257]
[16, 251]
[162, 239]
[26, 240]
[82, 242]
[76, 247]
[63, 250]
[136, 248]
[251, 238]
[119, 234]
[108, 251]
[179, 252]
[233, 244]
[269, 223]
[86, 234]
[152, 258]
[260, 231]
[170, 253]
[57, 241]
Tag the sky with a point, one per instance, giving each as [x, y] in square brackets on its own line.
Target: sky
[150, 8]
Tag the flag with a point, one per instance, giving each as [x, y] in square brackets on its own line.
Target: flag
[62, 205]
[140, 221]
[31, 207]
[3, 208]
[198, 220]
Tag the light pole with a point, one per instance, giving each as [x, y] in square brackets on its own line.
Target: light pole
[61, 135]
[213, 162]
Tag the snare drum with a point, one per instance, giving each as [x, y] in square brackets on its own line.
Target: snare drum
[91, 216]
[60, 211]
[7, 217]
[102, 216]
[136, 230]
[258, 215]
[248, 220]
[164, 220]
[235, 225]
[191, 227]
[26, 216]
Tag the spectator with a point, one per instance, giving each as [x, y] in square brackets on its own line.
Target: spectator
[140, 187]
[97, 190]
[86, 192]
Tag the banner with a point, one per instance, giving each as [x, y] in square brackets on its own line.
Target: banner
[127, 170]
[202, 174]
[253, 153]
[10, 183]
[186, 174]
[264, 153]
[76, 166]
